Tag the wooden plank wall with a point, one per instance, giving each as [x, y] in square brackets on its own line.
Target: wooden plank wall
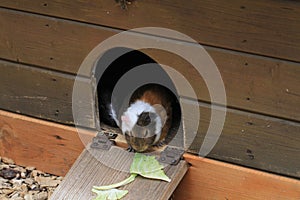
[255, 45]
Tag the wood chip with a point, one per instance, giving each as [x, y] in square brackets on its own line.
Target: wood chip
[19, 183]
[30, 168]
[7, 161]
[46, 181]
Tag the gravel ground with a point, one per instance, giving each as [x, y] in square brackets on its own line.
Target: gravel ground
[27, 183]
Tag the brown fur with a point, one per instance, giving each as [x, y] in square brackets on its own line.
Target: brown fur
[153, 95]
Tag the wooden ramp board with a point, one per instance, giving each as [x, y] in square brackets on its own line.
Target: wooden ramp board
[100, 167]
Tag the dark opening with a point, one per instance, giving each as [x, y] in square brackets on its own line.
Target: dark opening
[109, 77]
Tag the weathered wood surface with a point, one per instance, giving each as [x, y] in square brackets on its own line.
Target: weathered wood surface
[247, 139]
[41, 93]
[253, 83]
[253, 140]
[265, 27]
[105, 168]
[54, 148]
[47, 42]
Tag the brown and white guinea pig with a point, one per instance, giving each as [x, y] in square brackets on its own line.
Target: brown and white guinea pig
[147, 120]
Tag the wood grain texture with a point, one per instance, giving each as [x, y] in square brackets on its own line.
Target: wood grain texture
[254, 83]
[251, 140]
[209, 179]
[48, 42]
[266, 27]
[92, 169]
[42, 93]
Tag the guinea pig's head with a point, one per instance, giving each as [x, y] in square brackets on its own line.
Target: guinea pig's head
[141, 130]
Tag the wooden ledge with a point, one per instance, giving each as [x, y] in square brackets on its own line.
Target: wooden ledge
[210, 179]
[101, 167]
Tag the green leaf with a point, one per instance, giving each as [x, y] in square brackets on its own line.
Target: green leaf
[148, 166]
[112, 194]
[116, 185]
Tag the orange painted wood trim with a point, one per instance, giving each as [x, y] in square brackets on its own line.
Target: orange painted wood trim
[210, 179]
[48, 146]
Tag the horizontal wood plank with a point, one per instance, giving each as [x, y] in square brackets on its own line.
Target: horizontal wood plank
[209, 179]
[31, 142]
[48, 42]
[253, 83]
[54, 148]
[40, 93]
[265, 27]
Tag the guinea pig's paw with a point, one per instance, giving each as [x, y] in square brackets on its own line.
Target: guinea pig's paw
[160, 143]
[130, 149]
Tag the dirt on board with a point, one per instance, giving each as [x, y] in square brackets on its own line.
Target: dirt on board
[25, 183]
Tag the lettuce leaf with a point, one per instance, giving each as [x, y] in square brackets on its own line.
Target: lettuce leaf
[146, 166]
[111, 194]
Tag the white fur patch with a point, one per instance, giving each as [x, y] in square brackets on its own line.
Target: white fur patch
[131, 116]
[114, 115]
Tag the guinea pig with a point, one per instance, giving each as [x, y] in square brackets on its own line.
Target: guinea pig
[148, 118]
